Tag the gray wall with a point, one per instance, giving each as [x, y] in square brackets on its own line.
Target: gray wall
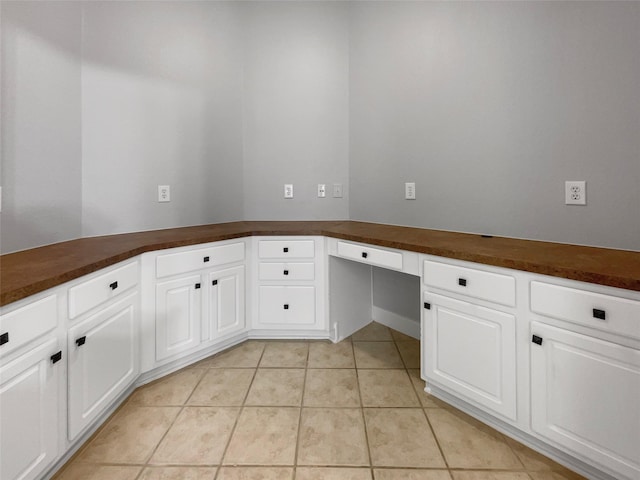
[296, 117]
[40, 123]
[161, 104]
[489, 108]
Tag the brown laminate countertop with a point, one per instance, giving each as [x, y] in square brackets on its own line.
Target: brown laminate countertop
[31, 271]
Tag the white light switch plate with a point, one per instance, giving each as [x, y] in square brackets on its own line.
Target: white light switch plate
[337, 190]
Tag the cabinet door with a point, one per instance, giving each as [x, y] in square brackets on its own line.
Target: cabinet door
[29, 413]
[225, 312]
[178, 315]
[585, 395]
[471, 351]
[287, 307]
[102, 361]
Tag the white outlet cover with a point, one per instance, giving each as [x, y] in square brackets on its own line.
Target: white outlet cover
[410, 191]
[288, 190]
[575, 192]
[164, 193]
[322, 190]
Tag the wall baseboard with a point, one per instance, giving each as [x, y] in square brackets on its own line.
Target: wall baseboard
[397, 322]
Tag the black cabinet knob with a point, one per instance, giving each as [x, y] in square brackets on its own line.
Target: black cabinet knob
[205, 259]
[286, 272]
[56, 357]
[113, 285]
[285, 249]
[599, 314]
[4, 338]
[365, 254]
[197, 285]
[286, 306]
[536, 339]
[462, 282]
[215, 282]
[81, 341]
[427, 305]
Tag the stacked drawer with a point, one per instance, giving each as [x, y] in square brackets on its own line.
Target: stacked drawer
[287, 283]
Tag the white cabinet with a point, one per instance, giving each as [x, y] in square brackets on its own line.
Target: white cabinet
[196, 309]
[471, 351]
[585, 395]
[289, 287]
[226, 298]
[103, 359]
[469, 334]
[178, 315]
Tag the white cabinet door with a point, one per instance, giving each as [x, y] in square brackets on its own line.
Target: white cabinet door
[471, 351]
[585, 395]
[178, 315]
[102, 361]
[225, 311]
[29, 412]
[287, 307]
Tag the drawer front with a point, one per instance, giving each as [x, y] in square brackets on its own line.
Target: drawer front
[287, 306]
[492, 287]
[602, 312]
[286, 249]
[370, 255]
[89, 294]
[27, 323]
[287, 271]
[175, 263]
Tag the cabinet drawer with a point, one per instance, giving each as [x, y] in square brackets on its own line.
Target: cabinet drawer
[370, 255]
[175, 263]
[493, 287]
[89, 294]
[287, 271]
[595, 310]
[286, 249]
[28, 323]
[287, 305]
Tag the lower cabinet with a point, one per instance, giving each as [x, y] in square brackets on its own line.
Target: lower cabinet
[29, 406]
[103, 359]
[198, 308]
[471, 351]
[585, 396]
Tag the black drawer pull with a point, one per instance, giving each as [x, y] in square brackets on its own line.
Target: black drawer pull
[599, 314]
[197, 285]
[285, 249]
[427, 305]
[113, 285]
[56, 357]
[81, 341]
[462, 282]
[4, 338]
[286, 306]
[286, 272]
[215, 282]
[365, 254]
[537, 340]
[205, 259]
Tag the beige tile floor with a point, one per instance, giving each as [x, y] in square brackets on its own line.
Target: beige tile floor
[307, 410]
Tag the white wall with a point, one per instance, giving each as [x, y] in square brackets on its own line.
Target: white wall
[295, 109]
[161, 86]
[489, 107]
[40, 123]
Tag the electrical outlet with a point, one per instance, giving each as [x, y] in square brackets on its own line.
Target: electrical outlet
[575, 193]
[164, 193]
[322, 190]
[337, 190]
[410, 191]
[288, 190]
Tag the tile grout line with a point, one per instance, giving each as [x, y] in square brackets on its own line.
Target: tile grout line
[364, 421]
[304, 386]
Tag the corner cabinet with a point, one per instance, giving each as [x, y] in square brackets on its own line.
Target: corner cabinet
[197, 298]
[31, 371]
[289, 287]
